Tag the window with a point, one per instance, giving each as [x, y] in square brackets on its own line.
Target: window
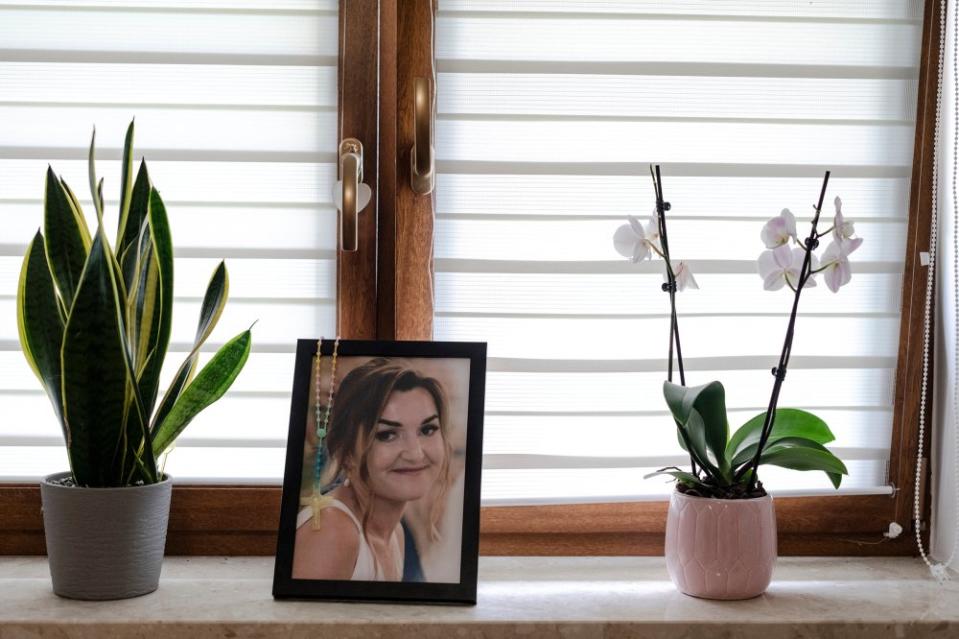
[548, 116]
[537, 139]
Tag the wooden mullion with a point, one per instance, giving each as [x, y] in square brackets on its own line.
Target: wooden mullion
[358, 86]
[411, 256]
[390, 174]
[905, 427]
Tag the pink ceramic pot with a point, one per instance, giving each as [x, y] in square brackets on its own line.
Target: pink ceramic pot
[720, 548]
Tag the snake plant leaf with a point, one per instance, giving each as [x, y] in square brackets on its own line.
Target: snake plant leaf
[95, 193]
[183, 377]
[209, 385]
[136, 462]
[95, 382]
[144, 305]
[40, 323]
[66, 238]
[129, 231]
[809, 456]
[709, 403]
[126, 185]
[157, 330]
[214, 301]
[100, 199]
[790, 422]
[74, 200]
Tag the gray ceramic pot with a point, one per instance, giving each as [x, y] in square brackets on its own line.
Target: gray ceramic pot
[105, 543]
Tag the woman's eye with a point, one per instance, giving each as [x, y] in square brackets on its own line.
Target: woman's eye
[385, 436]
[429, 429]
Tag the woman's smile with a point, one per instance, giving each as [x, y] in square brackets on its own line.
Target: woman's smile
[412, 470]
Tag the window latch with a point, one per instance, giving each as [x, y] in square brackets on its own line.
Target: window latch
[350, 194]
[421, 157]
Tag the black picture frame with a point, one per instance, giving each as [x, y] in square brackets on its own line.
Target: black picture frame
[464, 592]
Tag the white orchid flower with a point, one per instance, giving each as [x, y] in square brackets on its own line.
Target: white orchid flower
[684, 277]
[779, 230]
[837, 271]
[783, 265]
[630, 240]
[843, 231]
[652, 229]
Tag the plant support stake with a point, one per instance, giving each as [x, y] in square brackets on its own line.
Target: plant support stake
[779, 372]
[670, 287]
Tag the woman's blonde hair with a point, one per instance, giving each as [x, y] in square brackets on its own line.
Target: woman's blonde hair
[360, 401]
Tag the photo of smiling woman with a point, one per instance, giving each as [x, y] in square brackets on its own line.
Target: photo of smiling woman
[390, 498]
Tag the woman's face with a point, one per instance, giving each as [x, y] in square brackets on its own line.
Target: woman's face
[408, 449]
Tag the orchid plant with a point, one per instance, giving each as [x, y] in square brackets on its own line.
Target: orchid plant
[724, 465]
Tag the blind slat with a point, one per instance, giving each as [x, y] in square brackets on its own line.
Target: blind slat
[127, 32]
[628, 339]
[588, 240]
[153, 85]
[676, 40]
[260, 278]
[210, 181]
[510, 94]
[871, 9]
[638, 293]
[621, 195]
[670, 142]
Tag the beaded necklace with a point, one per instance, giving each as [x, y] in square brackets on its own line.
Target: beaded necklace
[319, 501]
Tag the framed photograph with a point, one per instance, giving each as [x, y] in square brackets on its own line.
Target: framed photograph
[381, 494]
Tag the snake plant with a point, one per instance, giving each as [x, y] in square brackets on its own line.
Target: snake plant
[94, 324]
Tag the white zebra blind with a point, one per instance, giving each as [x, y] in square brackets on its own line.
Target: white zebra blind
[549, 112]
[235, 105]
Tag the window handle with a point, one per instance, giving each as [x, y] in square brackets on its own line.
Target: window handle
[421, 157]
[350, 194]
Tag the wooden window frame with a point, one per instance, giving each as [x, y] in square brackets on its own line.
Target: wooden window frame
[393, 272]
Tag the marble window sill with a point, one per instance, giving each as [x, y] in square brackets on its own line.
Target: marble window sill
[567, 597]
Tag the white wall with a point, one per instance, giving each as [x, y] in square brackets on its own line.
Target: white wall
[944, 483]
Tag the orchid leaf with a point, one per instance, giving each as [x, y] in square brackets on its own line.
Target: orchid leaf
[679, 475]
[811, 456]
[789, 422]
[702, 410]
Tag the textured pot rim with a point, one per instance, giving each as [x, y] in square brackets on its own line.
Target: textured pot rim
[46, 482]
[767, 496]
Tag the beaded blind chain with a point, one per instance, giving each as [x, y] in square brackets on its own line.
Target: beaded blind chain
[939, 570]
[319, 500]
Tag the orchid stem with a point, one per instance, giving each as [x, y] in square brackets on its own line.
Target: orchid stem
[780, 371]
[671, 288]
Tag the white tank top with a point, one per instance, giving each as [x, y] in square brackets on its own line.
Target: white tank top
[366, 567]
